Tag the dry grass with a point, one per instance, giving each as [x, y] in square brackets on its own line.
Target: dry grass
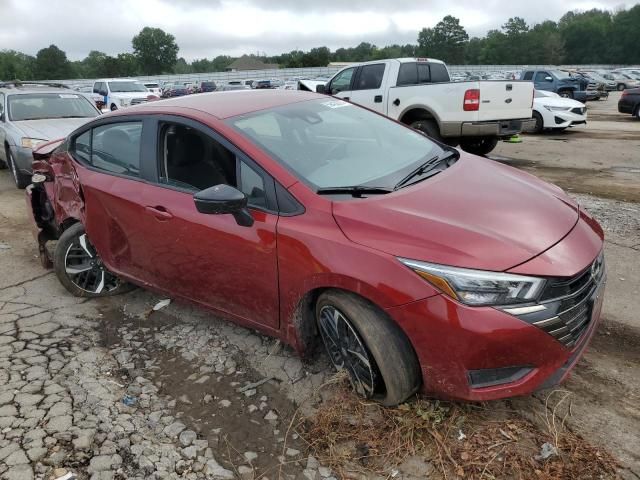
[356, 437]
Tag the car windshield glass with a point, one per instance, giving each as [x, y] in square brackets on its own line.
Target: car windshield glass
[37, 106]
[560, 75]
[332, 143]
[127, 87]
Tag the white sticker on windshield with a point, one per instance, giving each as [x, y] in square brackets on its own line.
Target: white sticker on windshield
[67, 95]
[335, 104]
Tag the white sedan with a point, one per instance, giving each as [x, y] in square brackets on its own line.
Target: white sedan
[552, 111]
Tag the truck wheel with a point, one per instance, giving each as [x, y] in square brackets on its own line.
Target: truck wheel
[566, 94]
[429, 127]
[539, 123]
[366, 344]
[478, 145]
[621, 87]
[113, 107]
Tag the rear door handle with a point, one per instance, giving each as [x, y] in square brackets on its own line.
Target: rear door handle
[377, 99]
[159, 212]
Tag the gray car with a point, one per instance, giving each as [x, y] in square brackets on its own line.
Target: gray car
[31, 114]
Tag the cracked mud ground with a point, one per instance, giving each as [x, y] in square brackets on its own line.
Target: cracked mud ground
[105, 390]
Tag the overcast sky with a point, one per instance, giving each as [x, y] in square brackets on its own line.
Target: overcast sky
[206, 28]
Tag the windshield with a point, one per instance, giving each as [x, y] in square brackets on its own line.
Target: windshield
[126, 87]
[36, 106]
[151, 85]
[560, 75]
[332, 143]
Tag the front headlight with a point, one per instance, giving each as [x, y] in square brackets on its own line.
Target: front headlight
[478, 287]
[556, 109]
[31, 143]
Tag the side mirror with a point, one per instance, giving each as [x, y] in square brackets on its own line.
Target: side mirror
[548, 79]
[320, 89]
[223, 199]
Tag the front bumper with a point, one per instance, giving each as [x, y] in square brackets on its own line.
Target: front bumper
[453, 342]
[564, 119]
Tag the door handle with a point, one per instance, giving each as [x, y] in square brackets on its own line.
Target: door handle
[396, 102]
[159, 212]
[377, 99]
[345, 99]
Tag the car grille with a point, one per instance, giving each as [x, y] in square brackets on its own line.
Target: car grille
[578, 110]
[569, 304]
[138, 101]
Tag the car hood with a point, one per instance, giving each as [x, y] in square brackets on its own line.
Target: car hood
[558, 102]
[129, 94]
[49, 128]
[476, 214]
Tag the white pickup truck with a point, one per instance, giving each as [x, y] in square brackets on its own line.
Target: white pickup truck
[418, 92]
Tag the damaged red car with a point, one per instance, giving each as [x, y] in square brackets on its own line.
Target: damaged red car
[419, 267]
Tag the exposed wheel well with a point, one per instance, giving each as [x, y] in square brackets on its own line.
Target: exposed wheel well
[68, 223]
[305, 322]
[416, 114]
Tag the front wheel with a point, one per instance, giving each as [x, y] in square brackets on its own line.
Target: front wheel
[566, 94]
[478, 145]
[114, 107]
[366, 344]
[20, 179]
[621, 87]
[80, 269]
[539, 122]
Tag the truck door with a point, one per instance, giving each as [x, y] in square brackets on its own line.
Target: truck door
[368, 88]
[543, 81]
[340, 85]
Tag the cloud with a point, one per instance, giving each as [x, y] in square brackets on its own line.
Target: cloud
[206, 28]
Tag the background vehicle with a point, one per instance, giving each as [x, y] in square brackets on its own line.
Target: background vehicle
[551, 111]
[598, 77]
[418, 92]
[233, 85]
[32, 114]
[514, 314]
[206, 86]
[153, 88]
[558, 82]
[174, 90]
[88, 92]
[630, 102]
[121, 92]
[622, 81]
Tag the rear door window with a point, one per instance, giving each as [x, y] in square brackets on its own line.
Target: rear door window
[528, 76]
[370, 77]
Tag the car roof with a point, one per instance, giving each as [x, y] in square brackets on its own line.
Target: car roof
[232, 103]
[31, 89]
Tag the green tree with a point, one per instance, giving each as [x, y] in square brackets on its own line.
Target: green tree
[52, 64]
[182, 66]
[586, 36]
[625, 36]
[16, 65]
[317, 57]
[156, 51]
[446, 41]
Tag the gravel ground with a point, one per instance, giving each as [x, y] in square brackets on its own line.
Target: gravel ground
[617, 218]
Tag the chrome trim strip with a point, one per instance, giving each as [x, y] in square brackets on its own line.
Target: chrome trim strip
[548, 321]
[524, 310]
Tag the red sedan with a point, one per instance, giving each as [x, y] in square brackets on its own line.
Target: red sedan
[309, 218]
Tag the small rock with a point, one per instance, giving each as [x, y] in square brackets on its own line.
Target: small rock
[224, 403]
[250, 456]
[187, 437]
[292, 452]
[271, 415]
[174, 429]
[207, 399]
[216, 471]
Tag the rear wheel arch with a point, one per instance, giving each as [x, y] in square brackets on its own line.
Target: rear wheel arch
[414, 114]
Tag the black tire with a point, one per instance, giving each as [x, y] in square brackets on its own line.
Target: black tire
[566, 94]
[637, 112]
[539, 123]
[20, 179]
[621, 87]
[478, 145]
[114, 107]
[394, 365]
[82, 284]
[429, 127]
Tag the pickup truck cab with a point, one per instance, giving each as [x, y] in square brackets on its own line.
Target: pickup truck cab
[122, 92]
[556, 81]
[418, 92]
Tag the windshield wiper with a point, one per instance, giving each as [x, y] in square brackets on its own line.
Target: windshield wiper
[426, 167]
[354, 190]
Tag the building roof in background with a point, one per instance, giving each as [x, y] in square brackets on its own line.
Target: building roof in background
[250, 63]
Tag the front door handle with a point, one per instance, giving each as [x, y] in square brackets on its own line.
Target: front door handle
[377, 99]
[346, 99]
[159, 212]
[396, 102]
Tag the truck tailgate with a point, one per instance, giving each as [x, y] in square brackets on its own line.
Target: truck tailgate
[505, 100]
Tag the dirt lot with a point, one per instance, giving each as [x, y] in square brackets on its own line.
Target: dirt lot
[106, 389]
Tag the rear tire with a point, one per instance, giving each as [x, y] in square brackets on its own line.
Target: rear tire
[429, 127]
[539, 123]
[20, 179]
[360, 339]
[621, 87]
[637, 113]
[80, 269]
[479, 145]
[114, 107]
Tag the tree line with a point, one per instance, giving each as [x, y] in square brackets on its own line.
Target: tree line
[589, 37]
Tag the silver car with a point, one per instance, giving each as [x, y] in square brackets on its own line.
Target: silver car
[31, 114]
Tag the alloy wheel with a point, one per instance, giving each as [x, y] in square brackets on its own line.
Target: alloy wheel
[346, 350]
[85, 269]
